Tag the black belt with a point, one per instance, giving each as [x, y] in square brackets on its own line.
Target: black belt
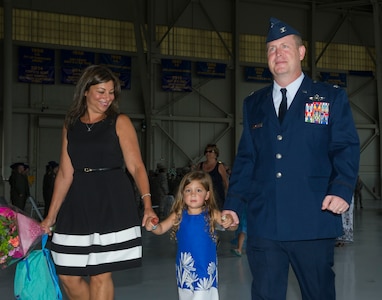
[88, 170]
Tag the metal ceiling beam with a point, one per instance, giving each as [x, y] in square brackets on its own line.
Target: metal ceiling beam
[144, 68]
[334, 32]
[171, 26]
[193, 119]
[214, 28]
[179, 98]
[344, 4]
[296, 4]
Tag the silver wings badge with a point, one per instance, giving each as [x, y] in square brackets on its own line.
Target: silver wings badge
[316, 97]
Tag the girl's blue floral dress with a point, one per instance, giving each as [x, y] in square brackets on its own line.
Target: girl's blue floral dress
[196, 259]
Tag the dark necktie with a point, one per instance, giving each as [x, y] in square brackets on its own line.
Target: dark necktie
[283, 105]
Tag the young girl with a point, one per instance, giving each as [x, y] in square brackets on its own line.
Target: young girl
[192, 219]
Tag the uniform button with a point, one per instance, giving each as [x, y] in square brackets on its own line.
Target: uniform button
[279, 175]
[279, 137]
[278, 156]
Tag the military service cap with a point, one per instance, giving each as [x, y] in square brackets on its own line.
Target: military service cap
[278, 29]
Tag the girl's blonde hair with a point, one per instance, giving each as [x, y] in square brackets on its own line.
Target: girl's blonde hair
[210, 205]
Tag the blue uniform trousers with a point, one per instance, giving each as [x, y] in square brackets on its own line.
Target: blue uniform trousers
[311, 261]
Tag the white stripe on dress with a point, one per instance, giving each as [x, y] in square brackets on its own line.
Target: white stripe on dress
[96, 238]
[82, 260]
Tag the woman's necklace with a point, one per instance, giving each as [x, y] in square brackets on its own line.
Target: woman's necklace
[89, 127]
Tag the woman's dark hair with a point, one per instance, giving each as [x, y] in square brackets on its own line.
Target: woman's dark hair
[92, 75]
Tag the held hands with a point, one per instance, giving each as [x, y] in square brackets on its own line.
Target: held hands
[148, 214]
[151, 223]
[233, 215]
[227, 221]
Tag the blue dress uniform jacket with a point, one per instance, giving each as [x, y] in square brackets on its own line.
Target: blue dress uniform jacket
[284, 171]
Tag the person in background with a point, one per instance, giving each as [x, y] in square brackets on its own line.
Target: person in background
[26, 172]
[192, 222]
[358, 193]
[217, 171]
[347, 226]
[97, 227]
[48, 184]
[241, 234]
[296, 168]
[163, 188]
[19, 185]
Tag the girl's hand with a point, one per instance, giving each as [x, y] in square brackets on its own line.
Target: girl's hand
[151, 223]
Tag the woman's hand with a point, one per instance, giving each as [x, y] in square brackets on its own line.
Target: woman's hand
[48, 225]
[148, 213]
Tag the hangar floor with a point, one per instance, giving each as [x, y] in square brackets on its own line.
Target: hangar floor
[358, 267]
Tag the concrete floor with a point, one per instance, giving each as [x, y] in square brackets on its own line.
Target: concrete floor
[358, 267]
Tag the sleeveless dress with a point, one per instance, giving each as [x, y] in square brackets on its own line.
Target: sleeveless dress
[196, 259]
[98, 228]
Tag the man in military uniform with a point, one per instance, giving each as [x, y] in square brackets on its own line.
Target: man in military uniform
[295, 169]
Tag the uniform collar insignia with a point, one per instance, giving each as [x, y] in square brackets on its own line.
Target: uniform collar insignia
[316, 97]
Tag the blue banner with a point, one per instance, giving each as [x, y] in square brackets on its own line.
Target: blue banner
[73, 62]
[120, 65]
[36, 65]
[258, 74]
[334, 78]
[211, 69]
[176, 75]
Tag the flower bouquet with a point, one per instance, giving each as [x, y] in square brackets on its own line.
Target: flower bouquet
[18, 235]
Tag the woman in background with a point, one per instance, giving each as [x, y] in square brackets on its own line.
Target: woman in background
[217, 171]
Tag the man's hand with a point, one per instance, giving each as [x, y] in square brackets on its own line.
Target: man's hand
[335, 204]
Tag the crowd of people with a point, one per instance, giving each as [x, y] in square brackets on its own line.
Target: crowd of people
[20, 182]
